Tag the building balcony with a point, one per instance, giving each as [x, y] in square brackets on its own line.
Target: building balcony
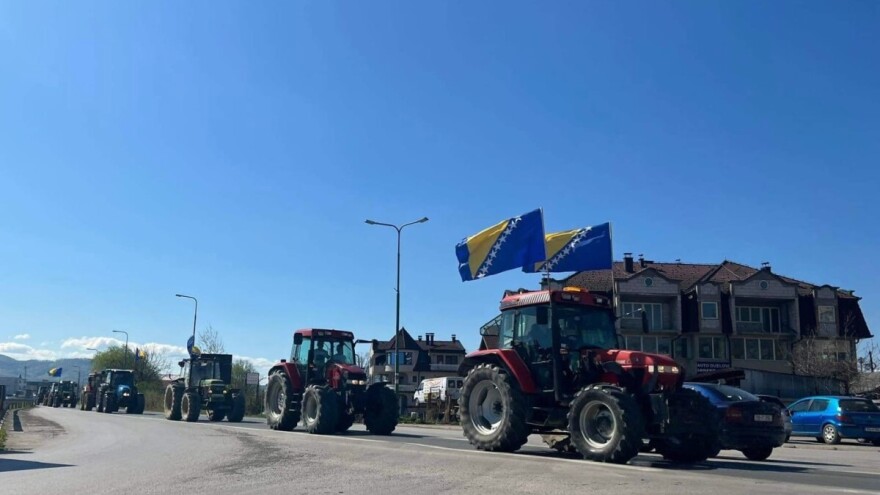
[444, 367]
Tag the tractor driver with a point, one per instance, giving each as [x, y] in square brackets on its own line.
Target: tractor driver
[340, 357]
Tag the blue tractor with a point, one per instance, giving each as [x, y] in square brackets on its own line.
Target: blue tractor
[117, 391]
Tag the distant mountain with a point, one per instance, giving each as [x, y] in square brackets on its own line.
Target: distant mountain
[40, 369]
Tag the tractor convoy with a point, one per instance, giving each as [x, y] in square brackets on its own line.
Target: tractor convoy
[557, 371]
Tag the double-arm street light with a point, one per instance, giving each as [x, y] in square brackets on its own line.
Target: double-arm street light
[195, 313]
[397, 310]
[125, 351]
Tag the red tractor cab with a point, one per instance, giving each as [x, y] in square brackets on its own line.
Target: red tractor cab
[558, 371]
[322, 385]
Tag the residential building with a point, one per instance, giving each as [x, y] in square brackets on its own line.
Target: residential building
[727, 315]
[419, 358]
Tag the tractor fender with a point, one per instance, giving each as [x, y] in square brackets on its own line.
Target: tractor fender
[508, 359]
[292, 373]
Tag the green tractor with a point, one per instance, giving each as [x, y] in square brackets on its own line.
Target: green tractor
[117, 390]
[204, 385]
[63, 394]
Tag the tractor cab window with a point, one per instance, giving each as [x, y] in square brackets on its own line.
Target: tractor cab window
[581, 327]
[205, 370]
[117, 379]
[300, 353]
[343, 352]
[530, 327]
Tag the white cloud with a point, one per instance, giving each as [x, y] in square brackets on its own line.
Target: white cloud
[261, 364]
[23, 352]
[83, 343]
[22, 336]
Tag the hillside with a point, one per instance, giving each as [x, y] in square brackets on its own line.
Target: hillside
[40, 369]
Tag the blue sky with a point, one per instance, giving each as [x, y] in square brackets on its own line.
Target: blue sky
[232, 151]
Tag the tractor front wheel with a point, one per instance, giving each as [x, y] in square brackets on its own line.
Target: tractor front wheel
[215, 415]
[320, 411]
[381, 410]
[492, 410]
[173, 395]
[236, 414]
[281, 413]
[110, 404]
[605, 425]
[190, 406]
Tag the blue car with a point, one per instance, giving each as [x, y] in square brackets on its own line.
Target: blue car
[748, 424]
[830, 418]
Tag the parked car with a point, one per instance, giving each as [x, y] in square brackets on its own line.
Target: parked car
[748, 424]
[441, 389]
[786, 416]
[830, 418]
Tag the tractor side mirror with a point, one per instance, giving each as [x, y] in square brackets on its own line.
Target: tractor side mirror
[297, 339]
[181, 363]
[644, 322]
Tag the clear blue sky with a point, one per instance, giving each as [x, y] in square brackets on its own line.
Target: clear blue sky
[233, 150]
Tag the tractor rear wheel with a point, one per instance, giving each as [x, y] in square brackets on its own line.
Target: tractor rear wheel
[381, 411]
[99, 403]
[110, 404]
[344, 422]
[492, 410]
[190, 407]
[605, 425]
[683, 443]
[320, 411]
[281, 414]
[215, 415]
[236, 414]
[172, 402]
[141, 404]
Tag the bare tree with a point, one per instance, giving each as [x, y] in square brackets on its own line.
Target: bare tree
[210, 341]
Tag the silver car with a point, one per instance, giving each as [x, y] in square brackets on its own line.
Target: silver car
[786, 416]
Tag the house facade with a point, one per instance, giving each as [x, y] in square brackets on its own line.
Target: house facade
[419, 358]
[710, 317]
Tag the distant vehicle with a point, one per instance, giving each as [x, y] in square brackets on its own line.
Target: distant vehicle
[830, 418]
[63, 394]
[441, 388]
[118, 390]
[205, 385]
[750, 425]
[89, 399]
[786, 416]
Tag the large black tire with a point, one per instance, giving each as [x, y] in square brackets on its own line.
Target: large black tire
[758, 453]
[99, 399]
[173, 395]
[190, 406]
[320, 410]
[73, 403]
[236, 414]
[215, 415]
[141, 403]
[605, 425]
[492, 410]
[110, 404]
[344, 422]
[56, 402]
[281, 413]
[684, 443]
[381, 411]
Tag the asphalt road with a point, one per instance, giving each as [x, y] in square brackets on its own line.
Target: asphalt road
[69, 451]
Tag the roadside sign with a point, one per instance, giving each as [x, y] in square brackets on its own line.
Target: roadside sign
[252, 379]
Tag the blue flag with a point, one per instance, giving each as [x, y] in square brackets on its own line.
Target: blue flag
[513, 243]
[577, 250]
[55, 372]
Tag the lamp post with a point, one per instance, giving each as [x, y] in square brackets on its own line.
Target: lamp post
[125, 351]
[78, 376]
[195, 313]
[397, 308]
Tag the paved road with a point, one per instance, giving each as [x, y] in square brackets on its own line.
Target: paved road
[69, 451]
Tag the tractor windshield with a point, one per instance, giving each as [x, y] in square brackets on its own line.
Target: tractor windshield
[122, 379]
[205, 370]
[338, 351]
[582, 326]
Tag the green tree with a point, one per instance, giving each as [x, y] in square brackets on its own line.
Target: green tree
[147, 369]
[240, 369]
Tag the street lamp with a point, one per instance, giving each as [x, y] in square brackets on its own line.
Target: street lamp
[397, 309]
[195, 314]
[78, 376]
[125, 351]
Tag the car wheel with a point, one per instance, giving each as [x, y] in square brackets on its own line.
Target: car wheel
[758, 453]
[830, 435]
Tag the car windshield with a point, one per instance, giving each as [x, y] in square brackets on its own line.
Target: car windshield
[581, 326]
[858, 405]
[729, 394]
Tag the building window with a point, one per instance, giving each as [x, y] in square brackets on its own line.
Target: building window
[415, 379]
[405, 358]
[649, 281]
[653, 311]
[439, 359]
[712, 348]
[760, 349]
[759, 318]
[648, 343]
[451, 359]
[826, 314]
[710, 310]
[763, 285]
[682, 349]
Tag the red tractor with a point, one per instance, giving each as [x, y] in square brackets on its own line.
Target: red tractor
[323, 386]
[557, 372]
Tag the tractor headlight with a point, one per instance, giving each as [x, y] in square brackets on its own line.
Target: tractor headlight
[125, 394]
[225, 391]
[673, 370]
[358, 382]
